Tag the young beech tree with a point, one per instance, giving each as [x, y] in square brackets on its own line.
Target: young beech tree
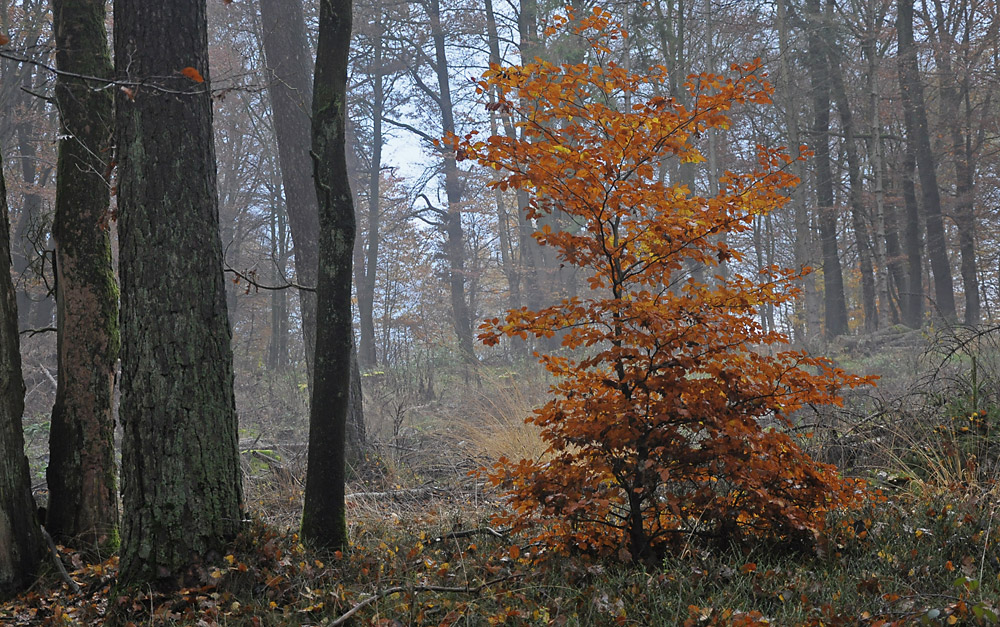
[657, 429]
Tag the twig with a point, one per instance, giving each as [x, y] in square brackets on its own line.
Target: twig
[34, 332]
[260, 286]
[49, 375]
[485, 531]
[75, 587]
[343, 618]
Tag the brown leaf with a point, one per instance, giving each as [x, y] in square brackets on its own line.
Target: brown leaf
[193, 74]
[4, 39]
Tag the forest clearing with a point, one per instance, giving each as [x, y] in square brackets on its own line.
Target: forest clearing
[447, 313]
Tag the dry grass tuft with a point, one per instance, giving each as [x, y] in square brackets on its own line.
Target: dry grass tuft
[494, 425]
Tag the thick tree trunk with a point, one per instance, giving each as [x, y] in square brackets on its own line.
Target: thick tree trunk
[918, 134]
[83, 492]
[180, 462]
[21, 546]
[324, 515]
[833, 279]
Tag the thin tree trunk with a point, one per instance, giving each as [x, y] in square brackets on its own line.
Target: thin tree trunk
[858, 219]
[913, 312]
[182, 499]
[324, 515]
[277, 350]
[291, 90]
[28, 231]
[454, 236]
[918, 133]
[954, 95]
[83, 492]
[833, 279]
[286, 50]
[367, 272]
[889, 271]
[503, 220]
[21, 546]
[806, 323]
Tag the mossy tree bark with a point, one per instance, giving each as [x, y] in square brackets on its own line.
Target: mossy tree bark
[83, 499]
[323, 518]
[20, 537]
[180, 461]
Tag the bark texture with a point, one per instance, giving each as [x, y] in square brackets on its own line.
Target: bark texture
[180, 462]
[20, 537]
[324, 516]
[83, 493]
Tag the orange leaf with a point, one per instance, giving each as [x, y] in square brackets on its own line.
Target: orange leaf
[193, 74]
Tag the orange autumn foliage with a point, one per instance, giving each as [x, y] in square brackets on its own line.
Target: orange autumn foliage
[668, 416]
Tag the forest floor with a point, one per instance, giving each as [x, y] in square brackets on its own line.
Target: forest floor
[922, 549]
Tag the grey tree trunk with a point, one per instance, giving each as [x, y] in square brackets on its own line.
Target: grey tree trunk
[20, 537]
[291, 90]
[858, 218]
[277, 348]
[181, 488]
[918, 134]
[956, 114]
[366, 273]
[807, 319]
[324, 514]
[913, 310]
[454, 247]
[83, 491]
[835, 303]
[289, 87]
[29, 236]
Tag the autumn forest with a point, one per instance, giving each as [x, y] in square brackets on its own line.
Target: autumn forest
[464, 312]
